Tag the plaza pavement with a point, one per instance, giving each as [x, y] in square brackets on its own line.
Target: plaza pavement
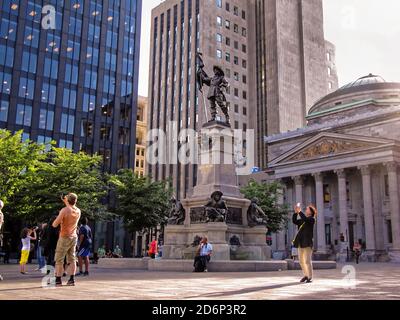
[372, 281]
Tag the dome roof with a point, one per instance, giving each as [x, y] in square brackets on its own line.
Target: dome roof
[369, 79]
[368, 87]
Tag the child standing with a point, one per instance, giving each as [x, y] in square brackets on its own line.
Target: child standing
[26, 239]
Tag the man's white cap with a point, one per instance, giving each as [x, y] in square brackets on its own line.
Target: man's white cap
[1, 204]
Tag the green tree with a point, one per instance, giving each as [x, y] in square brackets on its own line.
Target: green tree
[268, 195]
[61, 172]
[19, 163]
[141, 203]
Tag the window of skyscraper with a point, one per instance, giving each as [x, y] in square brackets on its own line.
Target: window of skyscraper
[29, 62]
[227, 24]
[228, 57]
[219, 3]
[11, 6]
[67, 123]
[46, 119]
[26, 88]
[89, 102]
[236, 60]
[31, 37]
[50, 68]
[75, 26]
[68, 144]
[219, 37]
[71, 74]
[227, 6]
[96, 9]
[110, 61]
[49, 93]
[236, 28]
[24, 115]
[4, 110]
[109, 84]
[8, 29]
[219, 54]
[92, 56]
[243, 14]
[69, 98]
[53, 43]
[219, 21]
[244, 32]
[33, 12]
[73, 50]
[6, 56]
[5, 82]
[77, 6]
[94, 33]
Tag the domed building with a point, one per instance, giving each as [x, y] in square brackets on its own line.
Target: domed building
[346, 162]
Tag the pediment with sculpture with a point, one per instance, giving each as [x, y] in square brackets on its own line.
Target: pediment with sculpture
[329, 144]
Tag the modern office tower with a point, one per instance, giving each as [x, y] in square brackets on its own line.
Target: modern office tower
[141, 134]
[180, 29]
[75, 84]
[291, 66]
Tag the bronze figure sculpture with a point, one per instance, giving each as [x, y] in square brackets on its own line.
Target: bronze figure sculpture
[255, 215]
[216, 209]
[218, 86]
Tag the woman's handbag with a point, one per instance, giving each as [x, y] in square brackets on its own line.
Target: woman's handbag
[294, 242]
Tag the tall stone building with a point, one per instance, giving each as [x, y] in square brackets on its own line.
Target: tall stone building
[180, 29]
[273, 53]
[141, 132]
[291, 66]
[333, 79]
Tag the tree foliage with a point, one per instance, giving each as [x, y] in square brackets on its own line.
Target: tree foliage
[141, 203]
[268, 195]
[33, 179]
[19, 162]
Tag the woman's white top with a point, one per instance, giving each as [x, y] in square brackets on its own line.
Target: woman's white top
[26, 243]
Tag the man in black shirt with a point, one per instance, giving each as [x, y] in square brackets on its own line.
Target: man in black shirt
[304, 239]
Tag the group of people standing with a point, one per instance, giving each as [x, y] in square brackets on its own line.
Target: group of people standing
[59, 242]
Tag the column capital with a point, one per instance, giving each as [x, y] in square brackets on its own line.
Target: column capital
[298, 180]
[319, 176]
[341, 173]
[391, 166]
[365, 170]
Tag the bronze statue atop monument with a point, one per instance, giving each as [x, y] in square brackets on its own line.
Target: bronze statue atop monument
[218, 85]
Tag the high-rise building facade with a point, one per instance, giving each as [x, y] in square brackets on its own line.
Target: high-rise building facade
[331, 69]
[291, 66]
[273, 53]
[141, 134]
[75, 84]
[180, 29]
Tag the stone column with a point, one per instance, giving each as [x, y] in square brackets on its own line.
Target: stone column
[319, 191]
[394, 205]
[280, 236]
[299, 181]
[343, 216]
[368, 209]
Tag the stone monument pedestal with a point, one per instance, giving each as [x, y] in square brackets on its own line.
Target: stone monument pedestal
[217, 172]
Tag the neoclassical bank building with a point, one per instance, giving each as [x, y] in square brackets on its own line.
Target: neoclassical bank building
[346, 162]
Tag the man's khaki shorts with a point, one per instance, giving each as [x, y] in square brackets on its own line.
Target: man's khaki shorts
[66, 247]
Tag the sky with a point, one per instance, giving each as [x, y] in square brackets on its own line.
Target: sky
[366, 34]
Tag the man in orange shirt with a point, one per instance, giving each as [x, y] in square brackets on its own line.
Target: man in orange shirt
[68, 218]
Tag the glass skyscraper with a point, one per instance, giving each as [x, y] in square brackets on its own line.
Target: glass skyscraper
[75, 84]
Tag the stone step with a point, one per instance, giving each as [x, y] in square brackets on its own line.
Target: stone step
[214, 266]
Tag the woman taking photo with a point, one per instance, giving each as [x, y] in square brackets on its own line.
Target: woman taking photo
[304, 239]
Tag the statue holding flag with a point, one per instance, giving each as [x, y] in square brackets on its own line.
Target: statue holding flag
[218, 86]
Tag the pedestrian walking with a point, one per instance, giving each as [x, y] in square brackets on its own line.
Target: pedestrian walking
[84, 247]
[68, 219]
[304, 239]
[39, 248]
[357, 248]
[27, 235]
[153, 248]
